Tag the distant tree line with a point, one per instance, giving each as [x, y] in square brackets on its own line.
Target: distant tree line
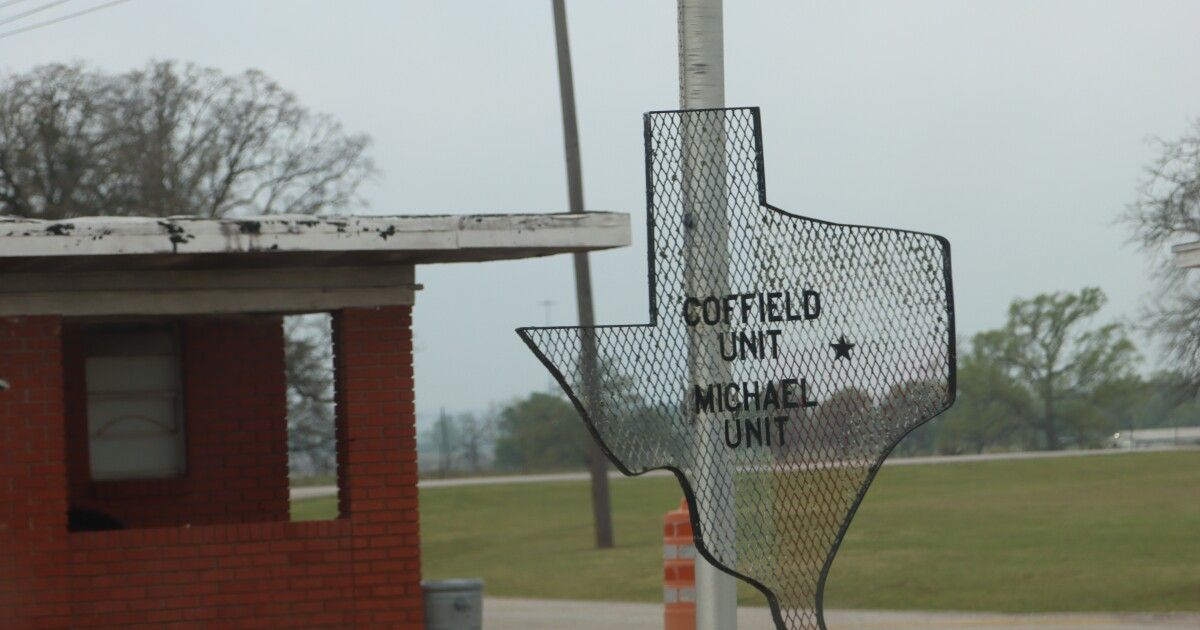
[1051, 378]
[538, 433]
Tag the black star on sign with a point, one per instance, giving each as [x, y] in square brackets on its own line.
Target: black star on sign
[842, 348]
[727, 386]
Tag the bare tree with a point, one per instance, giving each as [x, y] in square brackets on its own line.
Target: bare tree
[310, 392]
[177, 139]
[444, 435]
[1167, 212]
[475, 437]
[169, 139]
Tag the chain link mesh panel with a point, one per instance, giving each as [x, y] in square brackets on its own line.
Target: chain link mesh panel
[784, 358]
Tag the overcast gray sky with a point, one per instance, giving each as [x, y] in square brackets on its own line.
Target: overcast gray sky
[1017, 129]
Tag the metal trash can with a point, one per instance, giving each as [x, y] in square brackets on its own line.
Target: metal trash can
[453, 604]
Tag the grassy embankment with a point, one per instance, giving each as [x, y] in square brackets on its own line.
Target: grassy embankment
[1113, 533]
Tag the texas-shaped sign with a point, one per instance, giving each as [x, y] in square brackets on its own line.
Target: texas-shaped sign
[784, 358]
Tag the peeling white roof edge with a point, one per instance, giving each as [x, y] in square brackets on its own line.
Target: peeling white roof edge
[531, 234]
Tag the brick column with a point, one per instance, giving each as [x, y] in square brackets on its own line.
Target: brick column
[33, 481]
[377, 462]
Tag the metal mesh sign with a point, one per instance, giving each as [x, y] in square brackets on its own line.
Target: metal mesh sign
[784, 358]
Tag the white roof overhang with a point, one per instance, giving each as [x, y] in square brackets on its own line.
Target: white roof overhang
[283, 240]
[279, 263]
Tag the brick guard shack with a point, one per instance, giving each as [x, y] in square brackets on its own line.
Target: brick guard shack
[142, 391]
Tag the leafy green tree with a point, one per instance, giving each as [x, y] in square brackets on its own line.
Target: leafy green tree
[1065, 365]
[540, 432]
[1166, 399]
[1184, 414]
[836, 429]
[905, 403]
[987, 412]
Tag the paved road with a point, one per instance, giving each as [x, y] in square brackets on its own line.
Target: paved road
[535, 614]
[324, 491]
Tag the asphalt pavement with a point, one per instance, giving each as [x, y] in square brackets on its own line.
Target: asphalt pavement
[536, 614]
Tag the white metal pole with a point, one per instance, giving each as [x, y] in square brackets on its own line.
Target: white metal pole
[701, 54]
[702, 85]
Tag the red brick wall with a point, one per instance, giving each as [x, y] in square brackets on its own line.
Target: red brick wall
[235, 417]
[361, 571]
[33, 489]
[253, 575]
[377, 461]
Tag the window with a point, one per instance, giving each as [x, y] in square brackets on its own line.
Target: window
[134, 403]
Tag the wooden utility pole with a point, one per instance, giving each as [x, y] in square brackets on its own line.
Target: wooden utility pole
[597, 463]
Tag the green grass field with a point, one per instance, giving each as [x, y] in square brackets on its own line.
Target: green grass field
[1113, 533]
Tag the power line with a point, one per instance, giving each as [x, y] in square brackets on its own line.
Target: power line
[48, 5]
[9, 3]
[63, 18]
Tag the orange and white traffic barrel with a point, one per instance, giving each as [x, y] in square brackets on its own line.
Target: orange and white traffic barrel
[679, 570]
